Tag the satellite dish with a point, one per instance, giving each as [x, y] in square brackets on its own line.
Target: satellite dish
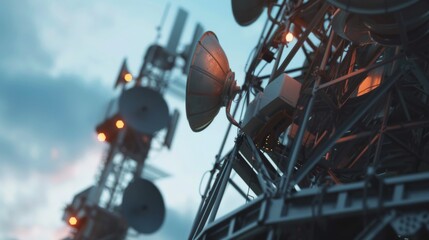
[373, 6]
[412, 21]
[143, 109]
[210, 83]
[247, 11]
[349, 26]
[143, 206]
[388, 21]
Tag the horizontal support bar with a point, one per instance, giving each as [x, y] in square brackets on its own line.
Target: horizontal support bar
[334, 202]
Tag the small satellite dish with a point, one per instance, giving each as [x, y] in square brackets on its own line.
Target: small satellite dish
[144, 110]
[373, 6]
[159, 57]
[142, 206]
[210, 83]
[247, 11]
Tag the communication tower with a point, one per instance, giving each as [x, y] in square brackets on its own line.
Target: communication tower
[335, 148]
[121, 198]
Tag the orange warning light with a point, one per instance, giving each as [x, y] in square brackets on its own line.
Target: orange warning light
[128, 77]
[72, 221]
[120, 124]
[101, 137]
[289, 37]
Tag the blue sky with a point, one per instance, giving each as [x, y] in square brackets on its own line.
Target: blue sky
[58, 62]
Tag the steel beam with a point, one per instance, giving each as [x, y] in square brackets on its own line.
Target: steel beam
[345, 201]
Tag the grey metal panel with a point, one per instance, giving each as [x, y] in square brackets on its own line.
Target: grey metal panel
[251, 122]
[246, 173]
[176, 32]
[189, 51]
[283, 92]
[174, 119]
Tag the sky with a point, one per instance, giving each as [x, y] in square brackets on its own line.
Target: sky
[58, 63]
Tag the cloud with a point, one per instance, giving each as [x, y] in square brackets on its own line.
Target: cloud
[32, 206]
[46, 120]
[20, 47]
[46, 127]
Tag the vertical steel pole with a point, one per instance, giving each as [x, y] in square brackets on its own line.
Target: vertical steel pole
[212, 203]
[212, 172]
[284, 184]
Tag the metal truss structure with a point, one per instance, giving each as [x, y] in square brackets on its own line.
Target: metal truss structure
[363, 209]
[350, 160]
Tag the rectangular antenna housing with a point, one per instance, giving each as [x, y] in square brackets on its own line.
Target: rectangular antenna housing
[171, 128]
[198, 32]
[176, 31]
[281, 95]
[283, 92]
